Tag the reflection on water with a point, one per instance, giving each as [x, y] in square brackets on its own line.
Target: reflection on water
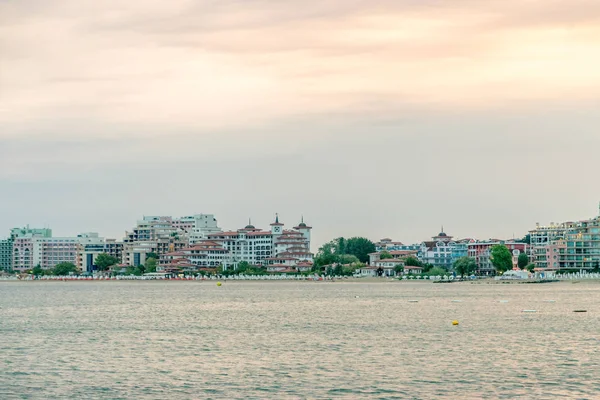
[244, 340]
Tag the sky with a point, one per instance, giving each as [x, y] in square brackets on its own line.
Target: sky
[369, 118]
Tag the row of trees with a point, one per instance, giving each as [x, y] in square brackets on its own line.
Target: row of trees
[104, 262]
[61, 269]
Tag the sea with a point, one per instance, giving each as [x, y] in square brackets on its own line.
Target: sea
[299, 340]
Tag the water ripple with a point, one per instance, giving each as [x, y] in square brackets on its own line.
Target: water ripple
[291, 340]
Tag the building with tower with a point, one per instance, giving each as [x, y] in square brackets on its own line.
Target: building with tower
[277, 247]
[442, 250]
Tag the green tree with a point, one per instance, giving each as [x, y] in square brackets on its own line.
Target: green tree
[349, 270]
[338, 270]
[150, 265]
[317, 268]
[399, 268]
[384, 255]
[413, 262]
[341, 245]
[522, 261]
[347, 259]
[325, 259]
[526, 239]
[37, 270]
[243, 267]
[435, 271]
[360, 247]
[336, 250]
[152, 255]
[530, 267]
[501, 258]
[465, 266]
[105, 261]
[329, 252]
[64, 268]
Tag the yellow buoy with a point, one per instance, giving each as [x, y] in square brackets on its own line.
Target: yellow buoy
[218, 283]
[455, 322]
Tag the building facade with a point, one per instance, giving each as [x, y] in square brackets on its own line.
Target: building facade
[543, 236]
[114, 248]
[387, 244]
[582, 247]
[276, 247]
[153, 234]
[203, 225]
[90, 246]
[480, 251]
[26, 249]
[6, 254]
[206, 254]
[573, 245]
[443, 251]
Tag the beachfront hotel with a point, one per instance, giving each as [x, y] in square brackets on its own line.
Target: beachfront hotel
[277, 248]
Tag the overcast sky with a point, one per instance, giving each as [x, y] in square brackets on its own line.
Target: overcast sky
[372, 118]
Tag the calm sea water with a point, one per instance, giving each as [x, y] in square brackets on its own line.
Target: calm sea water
[280, 340]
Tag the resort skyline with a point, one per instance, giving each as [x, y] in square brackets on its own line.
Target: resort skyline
[372, 118]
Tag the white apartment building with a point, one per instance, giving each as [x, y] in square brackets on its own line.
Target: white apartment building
[31, 251]
[153, 234]
[25, 253]
[185, 224]
[203, 225]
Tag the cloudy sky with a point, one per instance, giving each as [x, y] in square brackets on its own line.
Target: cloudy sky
[375, 118]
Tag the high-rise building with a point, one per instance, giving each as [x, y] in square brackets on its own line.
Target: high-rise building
[26, 247]
[568, 245]
[153, 234]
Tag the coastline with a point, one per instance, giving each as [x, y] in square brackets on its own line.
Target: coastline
[370, 280]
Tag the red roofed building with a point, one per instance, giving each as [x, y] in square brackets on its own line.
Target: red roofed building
[260, 247]
[204, 254]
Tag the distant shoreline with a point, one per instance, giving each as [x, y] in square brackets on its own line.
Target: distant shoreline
[489, 281]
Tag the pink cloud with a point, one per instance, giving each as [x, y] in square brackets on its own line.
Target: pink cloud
[237, 63]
